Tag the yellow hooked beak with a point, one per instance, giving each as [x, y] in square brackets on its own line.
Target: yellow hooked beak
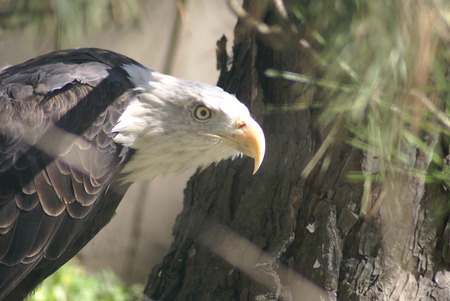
[248, 138]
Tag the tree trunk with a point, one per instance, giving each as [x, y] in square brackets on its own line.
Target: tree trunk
[277, 235]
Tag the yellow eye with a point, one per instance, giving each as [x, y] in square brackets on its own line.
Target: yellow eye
[202, 113]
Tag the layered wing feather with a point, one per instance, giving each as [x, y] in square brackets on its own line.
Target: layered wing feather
[58, 160]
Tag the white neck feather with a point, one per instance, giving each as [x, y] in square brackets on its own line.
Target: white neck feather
[161, 157]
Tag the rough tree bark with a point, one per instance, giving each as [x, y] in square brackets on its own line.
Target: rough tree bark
[278, 236]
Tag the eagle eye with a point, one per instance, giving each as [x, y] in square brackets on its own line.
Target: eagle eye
[202, 113]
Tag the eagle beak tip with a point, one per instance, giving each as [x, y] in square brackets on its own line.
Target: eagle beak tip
[257, 165]
[259, 154]
[253, 143]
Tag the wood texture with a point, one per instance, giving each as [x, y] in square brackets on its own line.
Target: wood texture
[277, 236]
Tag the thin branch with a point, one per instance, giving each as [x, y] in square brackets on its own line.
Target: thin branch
[323, 148]
[440, 115]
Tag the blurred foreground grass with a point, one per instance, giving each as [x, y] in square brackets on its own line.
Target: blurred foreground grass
[73, 282]
[377, 76]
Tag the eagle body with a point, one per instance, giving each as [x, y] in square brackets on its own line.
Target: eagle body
[77, 127]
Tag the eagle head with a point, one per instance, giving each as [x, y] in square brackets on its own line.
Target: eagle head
[175, 124]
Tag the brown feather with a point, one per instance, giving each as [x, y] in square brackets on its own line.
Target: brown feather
[5, 240]
[48, 227]
[26, 202]
[25, 232]
[60, 182]
[52, 206]
[77, 210]
[8, 214]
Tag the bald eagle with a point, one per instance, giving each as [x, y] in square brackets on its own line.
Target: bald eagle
[77, 127]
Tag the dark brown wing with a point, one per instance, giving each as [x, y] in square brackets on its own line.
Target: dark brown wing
[58, 160]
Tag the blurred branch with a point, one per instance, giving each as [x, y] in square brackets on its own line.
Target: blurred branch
[180, 18]
[261, 266]
[440, 115]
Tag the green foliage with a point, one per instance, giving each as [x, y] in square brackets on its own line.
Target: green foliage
[67, 20]
[380, 76]
[72, 282]
[382, 71]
